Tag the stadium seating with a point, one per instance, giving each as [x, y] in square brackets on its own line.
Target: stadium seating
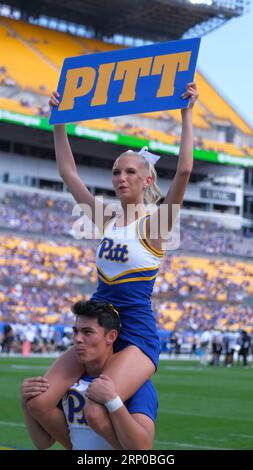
[41, 278]
[248, 150]
[16, 106]
[162, 137]
[218, 106]
[190, 290]
[39, 213]
[225, 147]
[48, 276]
[52, 45]
[94, 45]
[40, 50]
[198, 117]
[100, 124]
[24, 65]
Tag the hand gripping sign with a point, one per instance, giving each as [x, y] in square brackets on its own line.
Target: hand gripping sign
[129, 81]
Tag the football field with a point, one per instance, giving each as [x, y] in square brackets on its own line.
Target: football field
[199, 408]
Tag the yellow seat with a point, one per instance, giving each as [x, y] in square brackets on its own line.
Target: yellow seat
[54, 45]
[218, 106]
[14, 105]
[24, 66]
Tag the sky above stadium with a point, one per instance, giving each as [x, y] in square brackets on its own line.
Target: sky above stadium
[226, 59]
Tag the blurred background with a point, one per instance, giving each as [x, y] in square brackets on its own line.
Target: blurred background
[203, 297]
[207, 283]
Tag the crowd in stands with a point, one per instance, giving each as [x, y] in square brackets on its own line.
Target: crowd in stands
[41, 279]
[36, 213]
[195, 293]
[42, 214]
[210, 237]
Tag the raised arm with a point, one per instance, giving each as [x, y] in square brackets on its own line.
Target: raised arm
[177, 188]
[29, 389]
[67, 166]
[185, 159]
[133, 431]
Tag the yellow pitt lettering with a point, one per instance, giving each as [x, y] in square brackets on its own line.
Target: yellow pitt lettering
[130, 71]
[104, 77]
[106, 245]
[168, 65]
[72, 90]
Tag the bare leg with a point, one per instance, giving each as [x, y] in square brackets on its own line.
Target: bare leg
[129, 369]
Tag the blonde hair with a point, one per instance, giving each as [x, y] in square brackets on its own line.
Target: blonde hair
[152, 193]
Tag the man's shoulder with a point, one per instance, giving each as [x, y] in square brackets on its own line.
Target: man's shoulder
[79, 387]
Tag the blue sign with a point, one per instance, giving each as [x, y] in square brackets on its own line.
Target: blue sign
[129, 81]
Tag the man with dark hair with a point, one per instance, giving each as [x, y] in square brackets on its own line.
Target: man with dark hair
[132, 425]
[107, 316]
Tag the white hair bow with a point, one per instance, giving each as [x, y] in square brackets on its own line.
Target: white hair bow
[150, 157]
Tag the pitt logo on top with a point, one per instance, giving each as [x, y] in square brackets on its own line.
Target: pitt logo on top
[129, 81]
[109, 250]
